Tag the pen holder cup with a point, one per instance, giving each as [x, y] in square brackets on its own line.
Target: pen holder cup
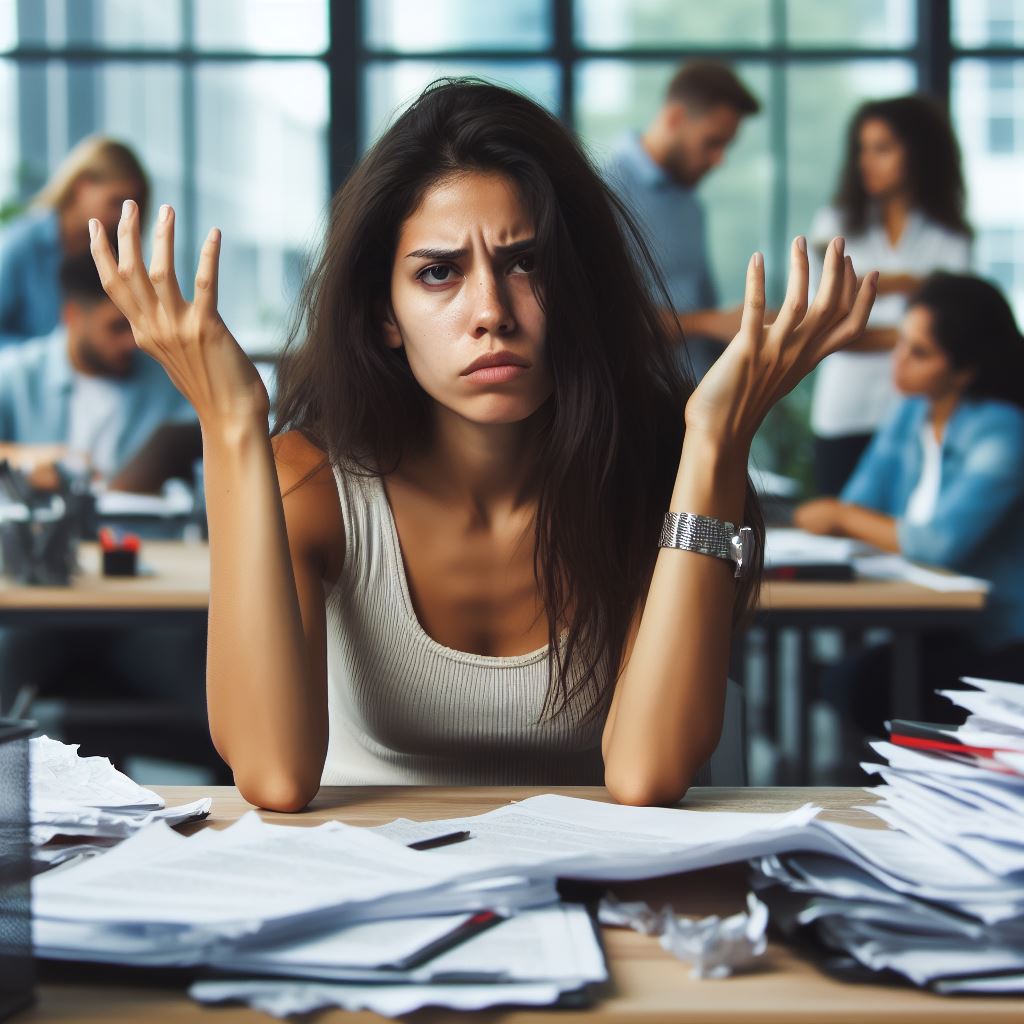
[39, 551]
[16, 973]
[120, 563]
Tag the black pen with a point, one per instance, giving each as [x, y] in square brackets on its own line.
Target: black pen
[462, 932]
[429, 844]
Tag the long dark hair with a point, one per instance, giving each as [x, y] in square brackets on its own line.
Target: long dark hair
[933, 166]
[612, 430]
[974, 325]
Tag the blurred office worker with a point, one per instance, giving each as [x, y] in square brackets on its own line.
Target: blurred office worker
[657, 174]
[93, 181]
[86, 385]
[900, 205]
[943, 483]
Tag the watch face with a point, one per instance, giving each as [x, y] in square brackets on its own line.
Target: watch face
[742, 549]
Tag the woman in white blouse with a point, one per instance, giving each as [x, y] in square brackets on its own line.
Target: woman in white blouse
[900, 204]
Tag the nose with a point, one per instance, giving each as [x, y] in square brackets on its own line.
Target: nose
[492, 313]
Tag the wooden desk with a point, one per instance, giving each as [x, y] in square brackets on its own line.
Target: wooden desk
[647, 985]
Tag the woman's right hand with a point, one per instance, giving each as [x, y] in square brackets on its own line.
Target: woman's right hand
[189, 339]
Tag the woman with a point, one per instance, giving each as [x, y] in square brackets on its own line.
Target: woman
[92, 182]
[445, 567]
[943, 483]
[900, 204]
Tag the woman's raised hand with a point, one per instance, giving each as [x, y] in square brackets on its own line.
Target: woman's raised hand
[189, 339]
[764, 363]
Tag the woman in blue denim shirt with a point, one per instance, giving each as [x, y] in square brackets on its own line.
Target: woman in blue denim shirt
[943, 483]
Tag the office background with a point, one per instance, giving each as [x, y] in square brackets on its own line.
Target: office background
[248, 113]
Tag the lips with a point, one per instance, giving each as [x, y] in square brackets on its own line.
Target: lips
[489, 360]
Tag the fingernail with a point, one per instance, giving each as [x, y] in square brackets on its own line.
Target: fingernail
[840, 246]
[126, 208]
[165, 212]
[94, 226]
[758, 260]
[214, 235]
[801, 243]
[874, 278]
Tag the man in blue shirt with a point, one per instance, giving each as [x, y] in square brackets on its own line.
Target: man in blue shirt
[657, 173]
[86, 386]
[87, 390]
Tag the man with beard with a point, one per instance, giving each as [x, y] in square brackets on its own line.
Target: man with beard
[85, 391]
[657, 173]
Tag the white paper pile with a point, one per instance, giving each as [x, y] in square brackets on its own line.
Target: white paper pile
[532, 958]
[956, 798]
[88, 798]
[159, 898]
[785, 546]
[790, 547]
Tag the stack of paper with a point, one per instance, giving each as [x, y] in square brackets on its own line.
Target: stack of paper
[785, 546]
[953, 917]
[88, 798]
[536, 957]
[361, 920]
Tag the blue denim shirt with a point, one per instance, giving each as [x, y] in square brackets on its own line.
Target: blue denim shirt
[976, 528]
[30, 258]
[671, 218]
[36, 381]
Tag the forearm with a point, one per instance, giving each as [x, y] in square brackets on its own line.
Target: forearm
[870, 526]
[875, 339]
[667, 713]
[266, 717]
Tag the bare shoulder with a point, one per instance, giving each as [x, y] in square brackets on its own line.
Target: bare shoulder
[312, 510]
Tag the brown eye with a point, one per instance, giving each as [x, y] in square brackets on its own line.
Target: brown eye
[525, 264]
[438, 274]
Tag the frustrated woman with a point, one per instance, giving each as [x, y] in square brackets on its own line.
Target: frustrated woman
[453, 564]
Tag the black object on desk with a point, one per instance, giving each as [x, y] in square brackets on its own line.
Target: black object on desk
[16, 972]
[435, 841]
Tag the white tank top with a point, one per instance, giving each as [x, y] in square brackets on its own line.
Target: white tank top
[405, 709]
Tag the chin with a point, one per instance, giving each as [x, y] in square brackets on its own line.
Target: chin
[498, 410]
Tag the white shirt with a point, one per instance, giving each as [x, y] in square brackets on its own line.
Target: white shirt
[95, 419]
[921, 503]
[853, 391]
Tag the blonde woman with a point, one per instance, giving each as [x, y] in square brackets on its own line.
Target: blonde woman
[92, 182]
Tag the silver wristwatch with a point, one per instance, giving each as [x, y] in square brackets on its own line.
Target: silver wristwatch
[708, 536]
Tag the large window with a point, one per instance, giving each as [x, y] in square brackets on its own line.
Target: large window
[226, 104]
[247, 112]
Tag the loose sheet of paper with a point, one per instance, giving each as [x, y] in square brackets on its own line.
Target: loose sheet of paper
[587, 839]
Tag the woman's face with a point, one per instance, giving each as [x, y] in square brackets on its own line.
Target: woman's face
[920, 366]
[882, 159]
[102, 200]
[462, 292]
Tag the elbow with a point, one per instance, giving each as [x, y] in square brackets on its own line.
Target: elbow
[635, 789]
[283, 793]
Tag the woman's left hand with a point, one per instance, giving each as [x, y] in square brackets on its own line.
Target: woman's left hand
[762, 364]
[822, 515]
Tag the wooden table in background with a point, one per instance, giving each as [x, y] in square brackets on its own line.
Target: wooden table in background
[905, 609]
[177, 590]
[647, 984]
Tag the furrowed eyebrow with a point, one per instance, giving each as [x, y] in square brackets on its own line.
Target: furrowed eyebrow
[436, 254]
[457, 254]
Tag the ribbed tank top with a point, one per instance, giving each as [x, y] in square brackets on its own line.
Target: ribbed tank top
[404, 709]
